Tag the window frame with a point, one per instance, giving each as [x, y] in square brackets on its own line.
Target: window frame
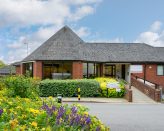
[163, 70]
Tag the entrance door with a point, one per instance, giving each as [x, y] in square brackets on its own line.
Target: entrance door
[110, 70]
[123, 72]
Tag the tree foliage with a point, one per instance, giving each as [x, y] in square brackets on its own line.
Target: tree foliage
[2, 64]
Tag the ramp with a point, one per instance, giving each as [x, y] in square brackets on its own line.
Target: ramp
[139, 97]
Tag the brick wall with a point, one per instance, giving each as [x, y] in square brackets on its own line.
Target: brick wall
[146, 89]
[151, 75]
[77, 70]
[18, 70]
[128, 94]
[37, 69]
[22, 69]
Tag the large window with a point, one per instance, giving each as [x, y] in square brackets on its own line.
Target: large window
[160, 70]
[57, 70]
[28, 69]
[91, 70]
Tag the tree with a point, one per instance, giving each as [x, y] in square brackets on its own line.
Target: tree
[2, 64]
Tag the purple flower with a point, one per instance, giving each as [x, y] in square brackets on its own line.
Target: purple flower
[77, 119]
[74, 110]
[48, 109]
[44, 107]
[88, 120]
[53, 108]
[98, 128]
[61, 112]
[1, 111]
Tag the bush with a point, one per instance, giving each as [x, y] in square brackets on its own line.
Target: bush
[111, 92]
[22, 86]
[68, 88]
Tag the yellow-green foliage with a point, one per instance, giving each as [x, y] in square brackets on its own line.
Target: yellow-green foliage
[22, 86]
[23, 114]
[111, 92]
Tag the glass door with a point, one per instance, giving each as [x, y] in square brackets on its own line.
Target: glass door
[110, 70]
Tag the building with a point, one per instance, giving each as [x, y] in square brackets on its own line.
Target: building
[7, 70]
[65, 55]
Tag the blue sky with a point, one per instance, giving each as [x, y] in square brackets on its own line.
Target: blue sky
[34, 21]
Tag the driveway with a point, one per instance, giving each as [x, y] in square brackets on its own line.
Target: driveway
[129, 117]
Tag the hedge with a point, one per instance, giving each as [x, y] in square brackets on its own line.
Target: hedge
[68, 88]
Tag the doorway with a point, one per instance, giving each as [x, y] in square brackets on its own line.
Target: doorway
[123, 72]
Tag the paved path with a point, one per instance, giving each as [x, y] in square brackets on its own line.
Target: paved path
[96, 100]
[129, 117]
[139, 97]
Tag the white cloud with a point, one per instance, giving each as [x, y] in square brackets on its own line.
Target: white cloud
[18, 43]
[115, 40]
[82, 31]
[48, 15]
[154, 36]
[81, 12]
[81, 2]
[156, 26]
[32, 12]
[2, 58]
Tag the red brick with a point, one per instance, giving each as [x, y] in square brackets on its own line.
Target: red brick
[18, 70]
[37, 69]
[151, 75]
[77, 70]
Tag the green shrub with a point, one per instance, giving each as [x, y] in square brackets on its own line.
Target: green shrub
[22, 86]
[111, 92]
[68, 88]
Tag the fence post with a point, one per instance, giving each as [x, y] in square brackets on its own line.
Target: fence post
[79, 94]
[161, 89]
[157, 95]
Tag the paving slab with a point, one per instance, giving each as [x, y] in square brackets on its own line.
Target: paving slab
[139, 97]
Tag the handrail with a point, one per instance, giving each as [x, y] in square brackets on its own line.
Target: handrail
[156, 85]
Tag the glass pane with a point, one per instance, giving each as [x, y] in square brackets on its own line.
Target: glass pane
[84, 70]
[57, 70]
[108, 70]
[91, 70]
[28, 69]
[160, 70]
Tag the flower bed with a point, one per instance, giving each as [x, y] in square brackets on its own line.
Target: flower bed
[111, 92]
[25, 114]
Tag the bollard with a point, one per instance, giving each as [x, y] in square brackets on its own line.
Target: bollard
[59, 98]
[79, 94]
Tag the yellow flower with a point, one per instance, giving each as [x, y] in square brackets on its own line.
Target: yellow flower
[10, 103]
[27, 100]
[23, 116]
[18, 107]
[34, 124]
[13, 123]
[43, 129]
[103, 85]
[50, 97]
[86, 113]
[23, 128]
[4, 110]
[34, 111]
[102, 127]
